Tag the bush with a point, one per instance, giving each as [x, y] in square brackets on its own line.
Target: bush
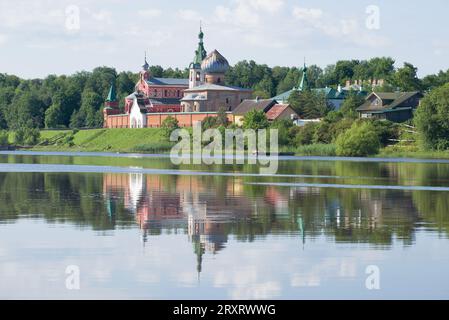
[153, 147]
[169, 125]
[4, 138]
[284, 131]
[209, 123]
[320, 150]
[386, 131]
[305, 134]
[255, 119]
[359, 141]
[27, 136]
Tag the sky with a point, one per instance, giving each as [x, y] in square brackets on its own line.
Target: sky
[42, 37]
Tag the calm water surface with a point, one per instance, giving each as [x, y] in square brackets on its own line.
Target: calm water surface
[141, 227]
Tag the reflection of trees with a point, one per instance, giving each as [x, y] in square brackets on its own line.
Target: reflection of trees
[433, 208]
[224, 206]
[59, 198]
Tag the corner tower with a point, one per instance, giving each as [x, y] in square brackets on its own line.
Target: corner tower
[196, 76]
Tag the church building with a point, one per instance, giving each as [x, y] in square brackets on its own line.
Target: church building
[202, 95]
[207, 90]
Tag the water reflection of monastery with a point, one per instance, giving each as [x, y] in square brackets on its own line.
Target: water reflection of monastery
[209, 211]
[184, 203]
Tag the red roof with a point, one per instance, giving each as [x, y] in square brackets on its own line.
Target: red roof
[276, 111]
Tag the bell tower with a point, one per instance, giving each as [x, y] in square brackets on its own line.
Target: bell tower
[196, 75]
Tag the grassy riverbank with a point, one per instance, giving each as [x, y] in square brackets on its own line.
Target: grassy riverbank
[111, 140]
[152, 140]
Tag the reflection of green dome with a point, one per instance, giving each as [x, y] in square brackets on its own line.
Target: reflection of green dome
[215, 63]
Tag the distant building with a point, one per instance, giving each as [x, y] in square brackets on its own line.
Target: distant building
[335, 97]
[281, 112]
[160, 94]
[207, 91]
[190, 100]
[272, 109]
[251, 104]
[393, 106]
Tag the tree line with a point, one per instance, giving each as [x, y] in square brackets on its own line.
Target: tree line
[76, 101]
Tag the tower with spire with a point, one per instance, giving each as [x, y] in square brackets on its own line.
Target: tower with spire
[304, 84]
[196, 76]
[145, 74]
[111, 100]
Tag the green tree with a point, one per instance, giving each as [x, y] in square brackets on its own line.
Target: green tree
[284, 131]
[52, 116]
[4, 138]
[169, 125]
[406, 78]
[222, 118]
[309, 104]
[432, 119]
[360, 140]
[91, 103]
[350, 104]
[26, 136]
[255, 119]
[305, 134]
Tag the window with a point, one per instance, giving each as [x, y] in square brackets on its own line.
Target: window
[227, 100]
[198, 76]
[219, 80]
[165, 93]
[179, 93]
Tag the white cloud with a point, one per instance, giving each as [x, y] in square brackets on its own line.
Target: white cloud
[150, 13]
[102, 16]
[342, 29]
[223, 13]
[188, 15]
[247, 13]
[266, 5]
[3, 39]
[306, 14]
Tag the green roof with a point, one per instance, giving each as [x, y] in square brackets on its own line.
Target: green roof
[330, 93]
[304, 85]
[112, 96]
[200, 53]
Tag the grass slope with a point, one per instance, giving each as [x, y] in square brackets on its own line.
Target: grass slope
[114, 140]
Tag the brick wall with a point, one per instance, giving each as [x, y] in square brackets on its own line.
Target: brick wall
[154, 120]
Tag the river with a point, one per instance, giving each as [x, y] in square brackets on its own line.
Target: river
[140, 227]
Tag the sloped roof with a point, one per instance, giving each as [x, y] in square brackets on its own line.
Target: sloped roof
[193, 97]
[112, 95]
[168, 81]
[247, 105]
[215, 87]
[276, 111]
[390, 100]
[330, 93]
[165, 100]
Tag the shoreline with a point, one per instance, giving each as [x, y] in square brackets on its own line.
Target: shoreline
[377, 158]
[151, 141]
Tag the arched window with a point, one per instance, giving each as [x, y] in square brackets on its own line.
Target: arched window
[198, 76]
[219, 80]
